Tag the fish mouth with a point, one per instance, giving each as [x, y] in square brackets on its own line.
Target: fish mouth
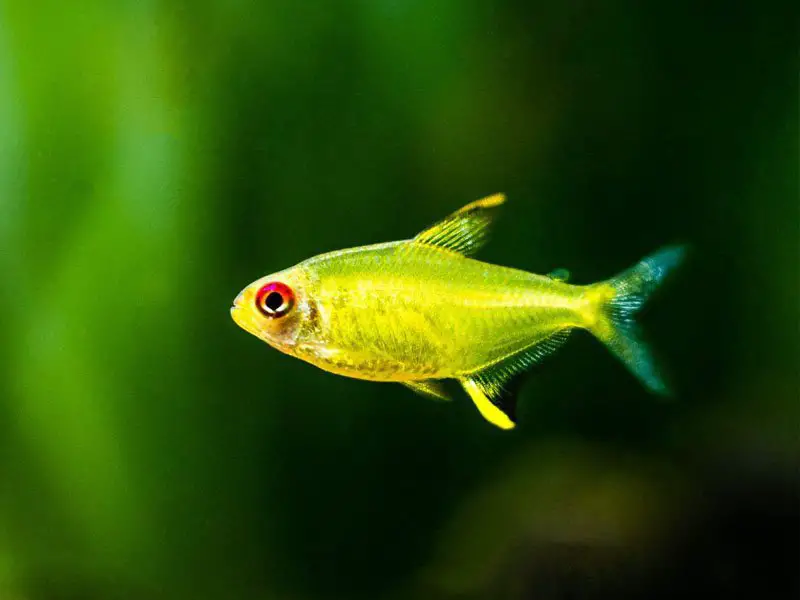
[241, 317]
[236, 308]
[236, 313]
[236, 305]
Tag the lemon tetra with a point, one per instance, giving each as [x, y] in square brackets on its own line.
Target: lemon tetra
[421, 310]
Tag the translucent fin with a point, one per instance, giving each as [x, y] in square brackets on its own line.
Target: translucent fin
[431, 389]
[466, 230]
[559, 274]
[494, 389]
[619, 299]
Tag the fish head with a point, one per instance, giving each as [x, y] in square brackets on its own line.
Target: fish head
[277, 308]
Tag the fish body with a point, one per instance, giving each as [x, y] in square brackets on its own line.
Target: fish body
[419, 311]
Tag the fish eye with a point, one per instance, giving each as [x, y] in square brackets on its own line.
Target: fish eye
[275, 299]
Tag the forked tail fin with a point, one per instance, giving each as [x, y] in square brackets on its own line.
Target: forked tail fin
[619, 299]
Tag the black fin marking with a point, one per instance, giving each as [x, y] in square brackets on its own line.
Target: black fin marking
[494, 389]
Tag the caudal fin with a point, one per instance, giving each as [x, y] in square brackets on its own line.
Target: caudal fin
[619, 299]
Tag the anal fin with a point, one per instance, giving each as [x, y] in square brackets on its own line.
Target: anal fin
[494, 389]
[498, 409]
[430, 388]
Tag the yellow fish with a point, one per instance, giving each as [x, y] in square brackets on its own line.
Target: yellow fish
[419, 311]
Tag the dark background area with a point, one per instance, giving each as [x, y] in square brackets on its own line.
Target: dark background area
[156, 157]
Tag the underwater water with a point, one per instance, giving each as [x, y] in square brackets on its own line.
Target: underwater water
[156, 157]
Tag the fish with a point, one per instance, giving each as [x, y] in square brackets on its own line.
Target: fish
[423, 310]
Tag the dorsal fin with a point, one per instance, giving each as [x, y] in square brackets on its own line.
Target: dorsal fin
[494, 389]
[466, 230]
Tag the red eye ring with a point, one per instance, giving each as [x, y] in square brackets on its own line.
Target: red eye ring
[275, 299]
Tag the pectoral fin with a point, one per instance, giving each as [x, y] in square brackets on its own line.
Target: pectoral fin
[494, 389]
[431, 388]
[466, 230]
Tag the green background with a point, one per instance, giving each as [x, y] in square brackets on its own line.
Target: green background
[156, 157]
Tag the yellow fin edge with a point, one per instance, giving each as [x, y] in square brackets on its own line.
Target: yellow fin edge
[490, 412]
[487, 202]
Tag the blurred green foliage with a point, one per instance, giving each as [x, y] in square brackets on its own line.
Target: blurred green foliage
[155, 157]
